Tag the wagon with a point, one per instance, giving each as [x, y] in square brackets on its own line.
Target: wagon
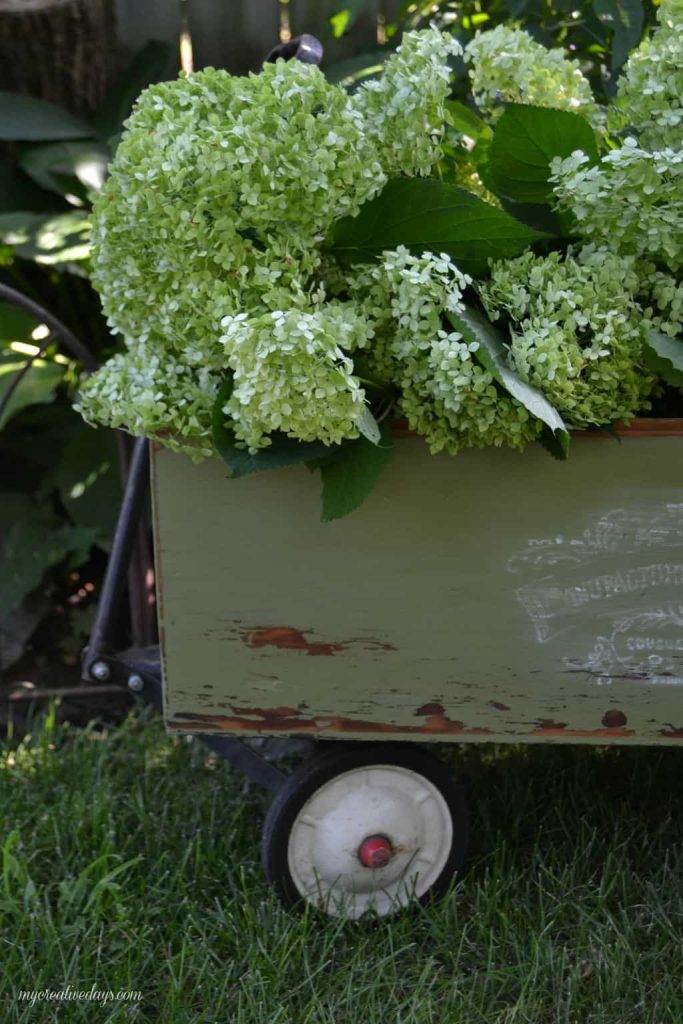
[492, 597]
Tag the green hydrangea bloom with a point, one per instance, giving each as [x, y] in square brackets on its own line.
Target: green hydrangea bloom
[446, 395]
[292, 374]
[650, 93]
[153, 393]
[507, 65]
[403, 109]
[664, 294]
[629, 201]
[575, 331]
[219, 197]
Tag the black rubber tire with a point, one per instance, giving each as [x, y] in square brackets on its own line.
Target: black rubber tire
[335, 759]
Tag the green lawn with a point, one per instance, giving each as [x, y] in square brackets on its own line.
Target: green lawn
[131, 861]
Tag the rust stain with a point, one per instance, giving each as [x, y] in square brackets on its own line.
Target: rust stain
[290, 639]
[613, 723]
[672, 731]
[286, 719]
[614, 719]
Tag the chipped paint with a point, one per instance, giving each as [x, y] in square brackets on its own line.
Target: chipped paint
[394, 604]
[672, 732]
[285, 719]
[288, 638]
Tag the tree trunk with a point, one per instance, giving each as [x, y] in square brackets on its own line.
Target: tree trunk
[63, 51]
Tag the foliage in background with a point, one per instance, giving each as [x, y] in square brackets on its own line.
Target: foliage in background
[59, 481]
[599, 33]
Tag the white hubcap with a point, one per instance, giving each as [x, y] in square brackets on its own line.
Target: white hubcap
[379, 800]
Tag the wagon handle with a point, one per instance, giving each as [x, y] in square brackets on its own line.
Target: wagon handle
[305, 48]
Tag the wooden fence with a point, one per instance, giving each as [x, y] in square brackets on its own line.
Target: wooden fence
[236, 34]
[69, 51]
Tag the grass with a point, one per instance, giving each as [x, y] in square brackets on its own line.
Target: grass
[130, 861]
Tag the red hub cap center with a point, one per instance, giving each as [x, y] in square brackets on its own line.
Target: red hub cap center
[375, 852]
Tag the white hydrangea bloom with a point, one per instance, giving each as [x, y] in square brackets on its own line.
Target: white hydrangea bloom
[576, 330]
[446, 395]
[507, 65]
[152, 393]
[292, 374]
[650, 93]
[403, 110]
[220, 195]
[630, 201]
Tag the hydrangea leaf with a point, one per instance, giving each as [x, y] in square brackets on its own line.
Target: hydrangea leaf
[556, 444]
[664, 356]
[465, 120]
[349, 476]
[283, 450]
[525, 142]
[491, 353]
[369, 427]
[423, 214]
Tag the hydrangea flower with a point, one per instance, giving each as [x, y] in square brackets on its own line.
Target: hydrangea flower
[446, 395]
[650, 91]
[630, 201]
[507, 65]
[219, 197]
[575, 331]
[292, 374]
[403, 110]
[153, 393]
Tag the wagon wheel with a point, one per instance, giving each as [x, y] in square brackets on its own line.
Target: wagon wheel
[365, 827]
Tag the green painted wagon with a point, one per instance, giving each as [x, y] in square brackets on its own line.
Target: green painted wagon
[494, 597]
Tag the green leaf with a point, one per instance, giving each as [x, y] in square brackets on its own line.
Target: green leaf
[541, 217]
[626, 19]
[350, 474]
[67, 167]
[155, 62]
[35, 387]
[664, 356]
[25, 118]
[466, 121]
[29, 549]
[344, 19]
[369, 426]
[283, 450]
[88, 480]
[557, 444]
[48, 240]
[525, 141]
[492, 354]
[425, 214]
[15, 324]
[17, 192]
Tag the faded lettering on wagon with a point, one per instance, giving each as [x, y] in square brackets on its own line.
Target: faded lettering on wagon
[623, 621]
